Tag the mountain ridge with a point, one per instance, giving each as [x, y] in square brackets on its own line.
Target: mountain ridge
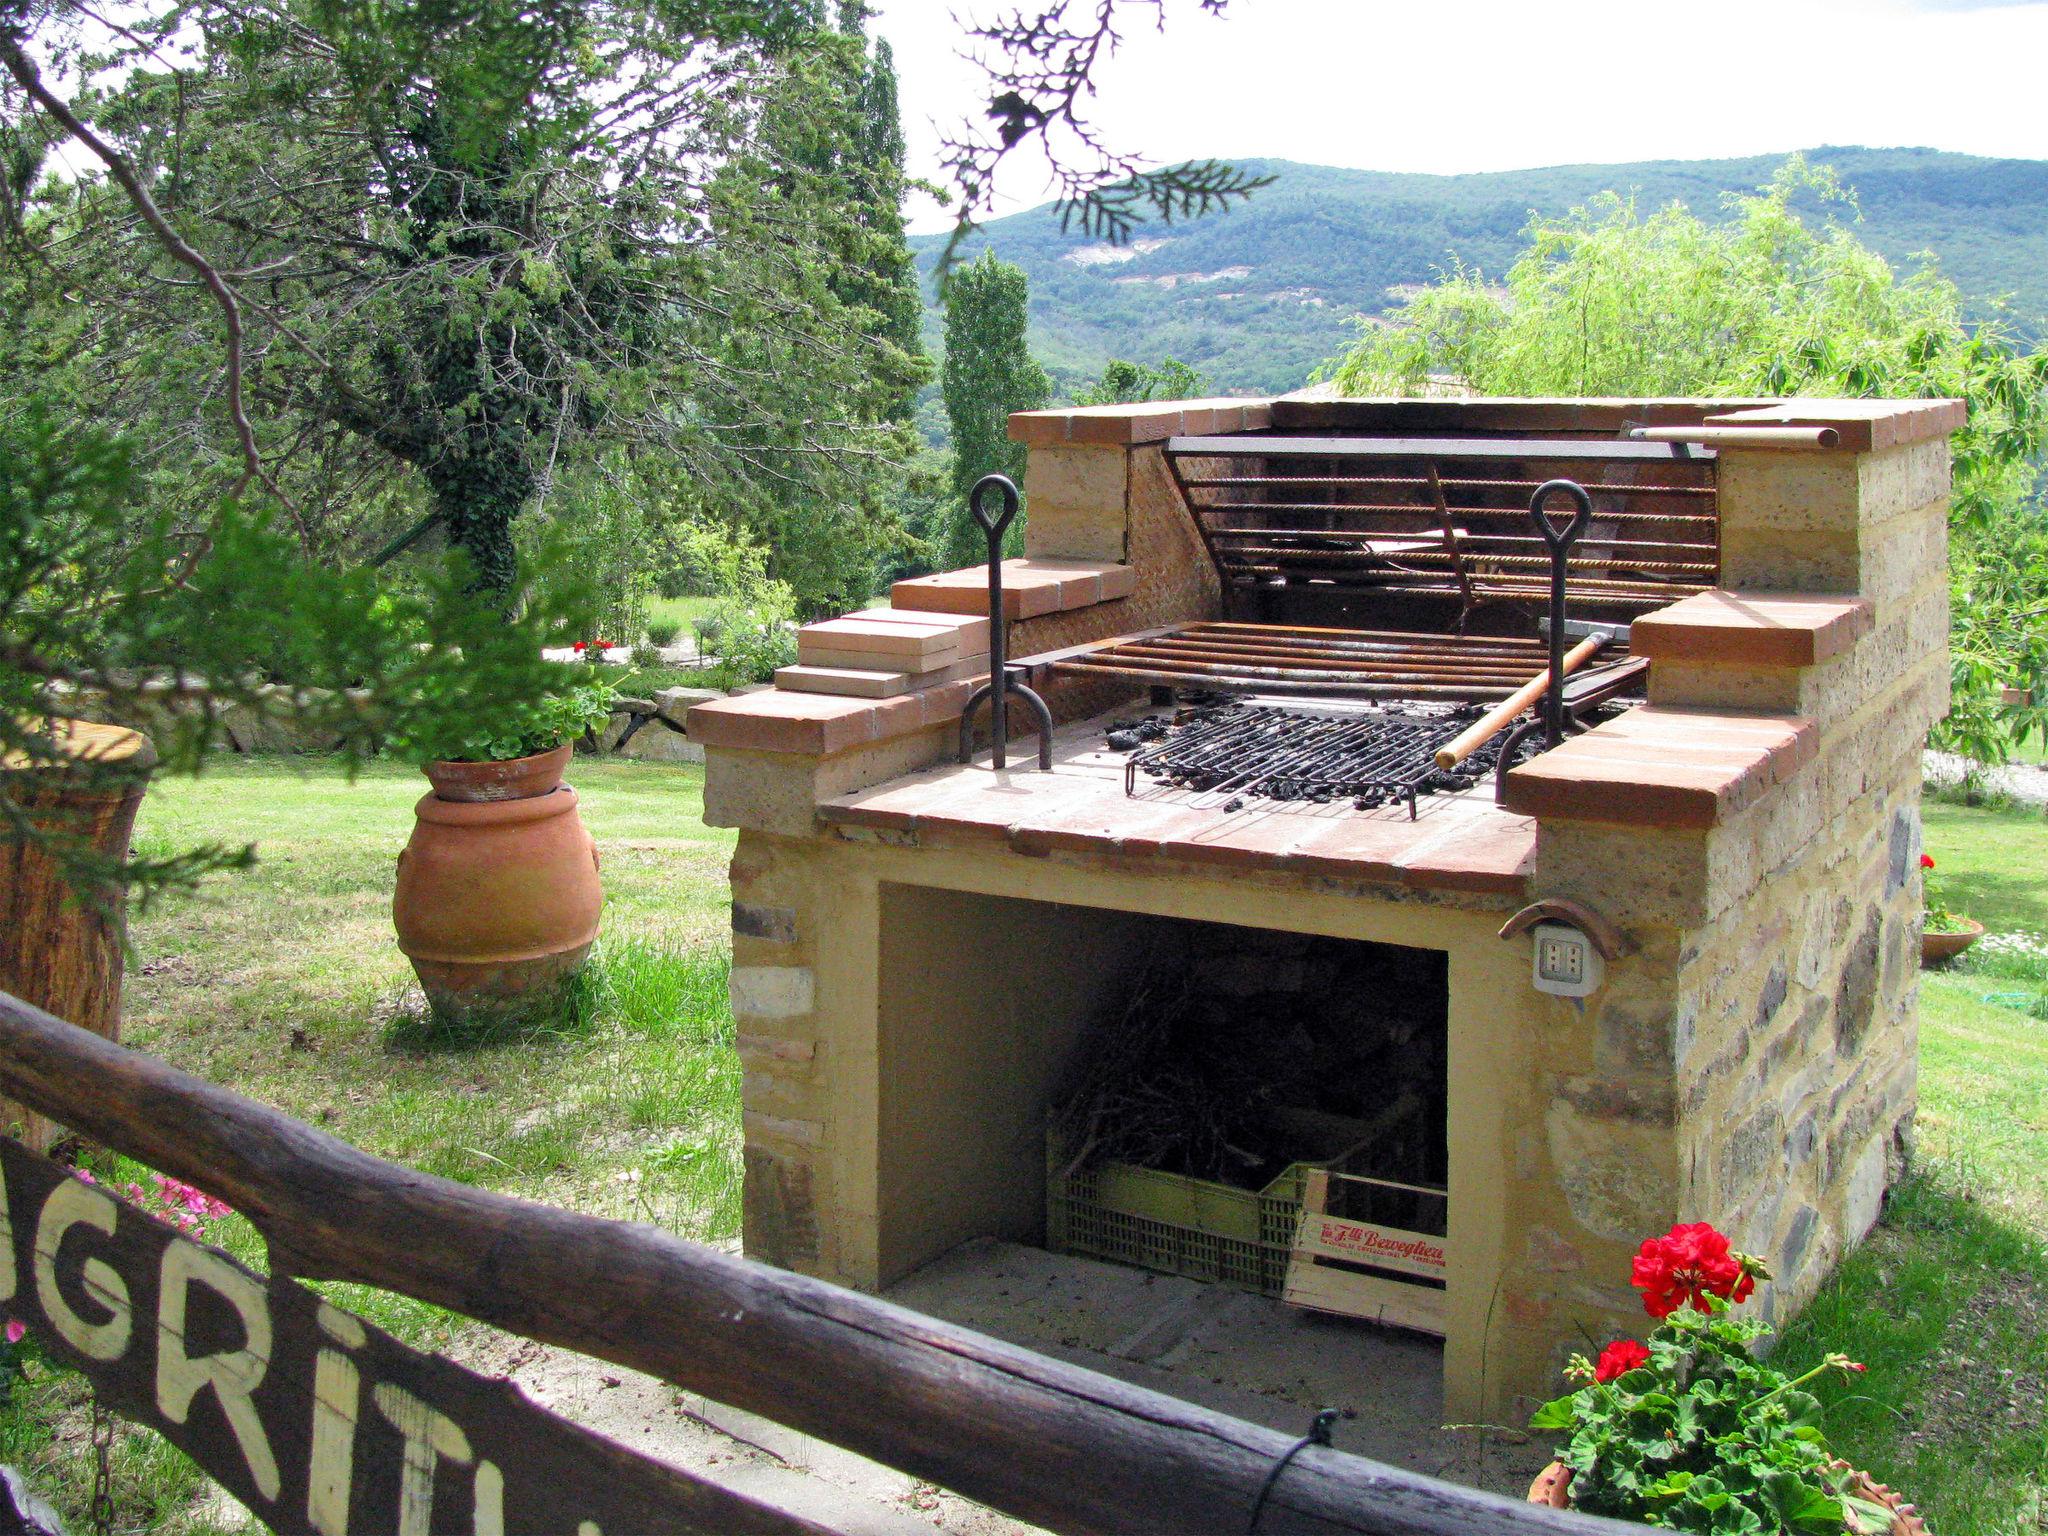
[1256, 296]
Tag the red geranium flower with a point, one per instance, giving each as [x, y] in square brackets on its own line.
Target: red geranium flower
[578, 646]
[1927, 861]
[1619, 1358]
[1684, 1267]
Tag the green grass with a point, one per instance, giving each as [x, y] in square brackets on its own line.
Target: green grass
[1992, 863]
[681, 610]
[284, 982]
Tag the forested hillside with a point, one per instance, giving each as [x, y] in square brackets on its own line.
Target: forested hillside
[1255, 298]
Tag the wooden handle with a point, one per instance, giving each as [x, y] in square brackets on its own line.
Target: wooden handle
[1741, 437]
[1495, 720]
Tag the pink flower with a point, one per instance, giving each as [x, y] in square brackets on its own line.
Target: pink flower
[17, 1330]
[85, 1174]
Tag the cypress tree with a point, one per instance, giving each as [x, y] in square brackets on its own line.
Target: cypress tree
[887, 281]
[989, 372]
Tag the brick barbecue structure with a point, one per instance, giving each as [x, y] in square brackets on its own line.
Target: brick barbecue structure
[922, 945]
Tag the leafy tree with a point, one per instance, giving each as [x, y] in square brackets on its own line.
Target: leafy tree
[1608, 301]
[344, 255]
[989, 372]
[877, 158]
[1125, 383]
[484, 266]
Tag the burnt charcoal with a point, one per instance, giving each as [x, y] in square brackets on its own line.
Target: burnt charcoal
[1234, 803]
[1123, 741]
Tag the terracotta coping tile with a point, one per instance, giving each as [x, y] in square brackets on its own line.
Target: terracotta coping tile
[1031, 587]
[1757, 629]
[1460, 844]
[1130, 426]
[1864, 425]
[1494, 854]
[820, 724]
[928, 637]
[1664, 768]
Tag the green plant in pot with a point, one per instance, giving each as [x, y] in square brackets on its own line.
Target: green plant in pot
[498, 895]
[1689, 1431]
[1944, 932]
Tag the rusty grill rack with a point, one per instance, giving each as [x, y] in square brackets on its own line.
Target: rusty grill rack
[1326, 663]
[1448, 517]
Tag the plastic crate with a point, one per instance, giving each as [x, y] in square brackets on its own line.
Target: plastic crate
[1174, 1224]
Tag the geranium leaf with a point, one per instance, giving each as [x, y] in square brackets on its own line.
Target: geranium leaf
[1555, 1414]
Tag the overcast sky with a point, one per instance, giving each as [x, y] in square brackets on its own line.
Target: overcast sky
[1480, 85]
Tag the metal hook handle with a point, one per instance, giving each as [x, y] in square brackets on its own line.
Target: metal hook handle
[1561, 539]
[995, 527]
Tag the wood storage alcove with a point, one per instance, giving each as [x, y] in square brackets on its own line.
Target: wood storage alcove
[1166, 1093]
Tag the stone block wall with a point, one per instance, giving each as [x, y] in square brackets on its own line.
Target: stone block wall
[1751, 1060]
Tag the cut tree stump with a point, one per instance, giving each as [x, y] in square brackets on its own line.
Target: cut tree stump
[61, 949]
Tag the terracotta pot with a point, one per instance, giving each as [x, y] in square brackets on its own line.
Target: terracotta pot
[1935, 948]
[517, 778]
[497, 904]
[1553, 1484]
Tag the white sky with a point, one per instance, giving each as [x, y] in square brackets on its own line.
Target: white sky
[1479, 85]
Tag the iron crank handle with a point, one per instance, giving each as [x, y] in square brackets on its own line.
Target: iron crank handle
[1001, 686]
[1561, 539]
[993, 526]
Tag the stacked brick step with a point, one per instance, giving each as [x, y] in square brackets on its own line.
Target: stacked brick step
[936, 629]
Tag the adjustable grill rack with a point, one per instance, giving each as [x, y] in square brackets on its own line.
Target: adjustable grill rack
[1323, 663]
[1449, 517]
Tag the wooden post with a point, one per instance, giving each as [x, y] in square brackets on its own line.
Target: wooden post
[59, 948]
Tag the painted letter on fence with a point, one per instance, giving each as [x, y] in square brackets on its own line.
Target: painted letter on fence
[315, 1420]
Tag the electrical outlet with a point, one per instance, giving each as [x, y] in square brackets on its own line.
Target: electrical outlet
[1565, 964]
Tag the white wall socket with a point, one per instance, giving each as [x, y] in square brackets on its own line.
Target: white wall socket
[1565, 964]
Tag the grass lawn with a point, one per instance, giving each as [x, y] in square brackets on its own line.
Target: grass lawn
[283, 981]
[680, 610]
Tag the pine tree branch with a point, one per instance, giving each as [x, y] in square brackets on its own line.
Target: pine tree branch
[24, 70]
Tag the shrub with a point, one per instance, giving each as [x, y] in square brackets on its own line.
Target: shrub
[519, 730]
[663, 632]
[645, 656]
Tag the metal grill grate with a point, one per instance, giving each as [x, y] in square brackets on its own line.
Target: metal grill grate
[1235, 750]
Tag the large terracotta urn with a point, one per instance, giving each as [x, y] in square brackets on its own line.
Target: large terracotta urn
[498, 894]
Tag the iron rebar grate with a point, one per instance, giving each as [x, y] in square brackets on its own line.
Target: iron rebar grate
[1232, 750]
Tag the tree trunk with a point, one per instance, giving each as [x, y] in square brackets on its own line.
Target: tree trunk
[61, 948]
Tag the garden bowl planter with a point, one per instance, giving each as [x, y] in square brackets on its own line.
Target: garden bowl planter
[1552, 1488]
[497, 903]
[1938, 948]
[518, 778]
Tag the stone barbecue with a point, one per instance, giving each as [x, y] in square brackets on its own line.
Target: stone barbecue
[928, 951]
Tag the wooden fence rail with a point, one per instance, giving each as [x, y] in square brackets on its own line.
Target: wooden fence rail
[1035, 1438]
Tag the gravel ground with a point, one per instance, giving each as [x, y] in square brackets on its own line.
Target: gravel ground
[2021, 783]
